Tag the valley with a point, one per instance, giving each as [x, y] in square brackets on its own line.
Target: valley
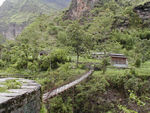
[110, 37]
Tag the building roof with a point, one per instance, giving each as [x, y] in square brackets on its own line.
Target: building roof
[110, 54]
[98, 53]
[117, 55]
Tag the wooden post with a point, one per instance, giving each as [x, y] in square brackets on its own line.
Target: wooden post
[73, 99]
[48, 106]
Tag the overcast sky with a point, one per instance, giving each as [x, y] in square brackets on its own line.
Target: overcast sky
[1, 2]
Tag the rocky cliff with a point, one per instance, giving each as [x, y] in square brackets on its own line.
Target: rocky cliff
[79, 8]
[13, 30]
[144, 12]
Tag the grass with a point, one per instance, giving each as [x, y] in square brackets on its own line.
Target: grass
[10, 84]
[3, 89]
[144, 70]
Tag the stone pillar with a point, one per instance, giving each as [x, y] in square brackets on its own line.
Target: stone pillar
[26, 99]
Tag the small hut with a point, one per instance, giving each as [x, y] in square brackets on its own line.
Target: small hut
[119, 60]
[98, 55]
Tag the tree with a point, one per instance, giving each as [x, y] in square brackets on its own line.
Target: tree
[76, 38]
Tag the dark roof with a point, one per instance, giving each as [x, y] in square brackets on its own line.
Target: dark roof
[117, 55]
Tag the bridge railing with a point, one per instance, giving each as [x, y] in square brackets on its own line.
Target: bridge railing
[63, 88]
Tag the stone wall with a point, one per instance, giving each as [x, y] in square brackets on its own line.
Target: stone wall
[27, 99]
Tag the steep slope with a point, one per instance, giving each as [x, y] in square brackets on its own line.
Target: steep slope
[79, 7]
[16, 14]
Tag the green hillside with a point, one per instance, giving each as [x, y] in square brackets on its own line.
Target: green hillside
[16, 14]
[23, 10]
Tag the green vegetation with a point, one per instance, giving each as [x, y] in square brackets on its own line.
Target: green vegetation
[48, 48]
[23, 12]
[10, 84]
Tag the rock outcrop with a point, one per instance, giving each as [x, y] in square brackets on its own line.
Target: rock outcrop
[144, 12]
[79, 8]
[13, 30]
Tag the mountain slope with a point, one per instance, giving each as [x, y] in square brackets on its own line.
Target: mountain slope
[16, 14]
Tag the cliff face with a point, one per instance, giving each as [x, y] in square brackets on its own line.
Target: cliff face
[144, 12]
[13, 30]
[79, 8]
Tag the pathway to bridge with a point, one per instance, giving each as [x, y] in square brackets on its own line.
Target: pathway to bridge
[63, 88]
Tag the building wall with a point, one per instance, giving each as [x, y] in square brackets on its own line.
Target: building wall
[118, 60]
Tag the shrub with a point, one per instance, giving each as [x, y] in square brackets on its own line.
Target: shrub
[97, 67]
[133, 72]
[138, 63]
[58, 56]
[132, 84]
[53, 60]
[116, 81]
[2, 63]
[105, 63]
[83, 66]
[12, 84]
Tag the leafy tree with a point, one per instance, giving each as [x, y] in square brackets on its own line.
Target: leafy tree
[105, 63]
[76, 38]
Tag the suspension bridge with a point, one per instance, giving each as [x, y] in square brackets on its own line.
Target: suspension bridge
[63, 88]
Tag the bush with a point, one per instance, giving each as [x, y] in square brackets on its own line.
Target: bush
[133, 72]
[105, 63]
[138, 63]
[83, 66]
[2, 63]
[116, 81]
[97, 67]
[53, 60]
[132, 84]
[32, 66]
[58, 56]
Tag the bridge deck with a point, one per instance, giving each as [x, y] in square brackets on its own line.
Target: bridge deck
[63, 88]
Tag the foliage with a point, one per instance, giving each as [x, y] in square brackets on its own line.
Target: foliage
[76, 38]
[138, 63]
[105, 63]
[12, 84]
[43, 109]
[133, 97]
[43, 49]
[125, 109]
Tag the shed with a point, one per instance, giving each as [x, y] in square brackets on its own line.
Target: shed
[98, 55]
[119, 60]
